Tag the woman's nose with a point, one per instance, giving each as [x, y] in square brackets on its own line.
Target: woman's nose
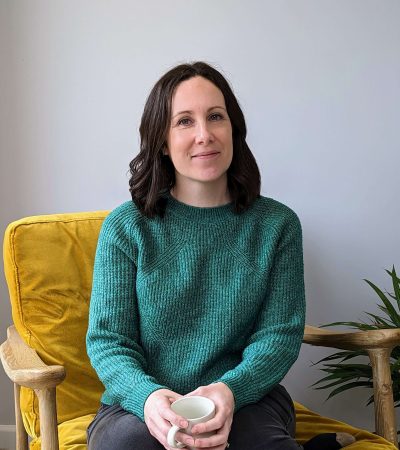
[203, 134]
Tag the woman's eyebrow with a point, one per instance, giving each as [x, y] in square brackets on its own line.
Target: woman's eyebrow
[190, 112]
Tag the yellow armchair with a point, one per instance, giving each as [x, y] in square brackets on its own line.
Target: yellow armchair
[48, 263]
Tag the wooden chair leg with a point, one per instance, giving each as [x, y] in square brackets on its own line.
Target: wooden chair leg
[22, 436]
[385, 419]
[48, 418]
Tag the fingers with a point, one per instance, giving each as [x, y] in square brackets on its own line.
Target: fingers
[223, 417]
[163, 406]
[158, 428]
[214, 444]
[219, 426]
[223, 399]
[159, 416]
[211, 425]
[184, 438]
[160, 432]
[217, 441]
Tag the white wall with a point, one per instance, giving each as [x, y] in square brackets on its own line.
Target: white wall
[8, 206]
[318, 82]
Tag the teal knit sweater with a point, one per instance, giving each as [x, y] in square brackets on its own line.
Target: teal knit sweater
[202, 295]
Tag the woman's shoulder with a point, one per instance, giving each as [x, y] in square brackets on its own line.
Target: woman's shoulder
[122, 217]
[126, 208]
[274, 209]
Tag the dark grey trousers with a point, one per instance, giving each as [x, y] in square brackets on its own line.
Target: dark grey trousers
[266, 425]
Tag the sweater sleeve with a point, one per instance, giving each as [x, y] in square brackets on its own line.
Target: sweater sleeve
[275, 342]
[113, 343]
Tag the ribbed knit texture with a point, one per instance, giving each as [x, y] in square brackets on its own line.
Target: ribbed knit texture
[199, 296]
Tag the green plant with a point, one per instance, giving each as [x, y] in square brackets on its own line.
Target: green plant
[343, 375]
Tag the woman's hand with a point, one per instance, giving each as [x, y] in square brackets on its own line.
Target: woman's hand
[224, 401]
[159, 416]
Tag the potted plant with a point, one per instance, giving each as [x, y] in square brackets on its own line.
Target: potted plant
[342, 372]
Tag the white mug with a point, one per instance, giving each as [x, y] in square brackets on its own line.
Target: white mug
[195, 409]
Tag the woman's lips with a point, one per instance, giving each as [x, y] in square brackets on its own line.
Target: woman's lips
[207, 155]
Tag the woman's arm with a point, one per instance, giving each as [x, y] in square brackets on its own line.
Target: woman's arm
[277, 335]
[113, 341]
[274, 343]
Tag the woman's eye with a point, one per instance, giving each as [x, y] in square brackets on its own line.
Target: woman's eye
[216, 116]
[185, 121]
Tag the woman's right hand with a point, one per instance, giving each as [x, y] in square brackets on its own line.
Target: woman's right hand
[159, 416]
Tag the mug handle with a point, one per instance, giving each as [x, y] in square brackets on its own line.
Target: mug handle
[171, 438]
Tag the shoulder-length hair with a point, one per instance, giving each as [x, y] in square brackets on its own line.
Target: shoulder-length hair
[152, 172]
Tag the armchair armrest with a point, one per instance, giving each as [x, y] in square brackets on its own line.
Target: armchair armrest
[350, 340]
[379, 345]
[23, 365]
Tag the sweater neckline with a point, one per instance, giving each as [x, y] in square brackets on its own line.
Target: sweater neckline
[211, 214]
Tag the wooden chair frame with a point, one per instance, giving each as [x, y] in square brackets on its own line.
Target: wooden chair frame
[24, 367]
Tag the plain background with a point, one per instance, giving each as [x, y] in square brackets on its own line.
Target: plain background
[318, 81]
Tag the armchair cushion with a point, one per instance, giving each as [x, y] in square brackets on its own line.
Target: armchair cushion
[310, 423]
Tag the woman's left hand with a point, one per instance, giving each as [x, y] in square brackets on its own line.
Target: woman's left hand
[221, 423]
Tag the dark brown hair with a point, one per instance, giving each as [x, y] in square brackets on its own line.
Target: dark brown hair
[152, 172]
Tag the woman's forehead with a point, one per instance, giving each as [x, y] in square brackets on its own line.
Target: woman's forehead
[196, 92]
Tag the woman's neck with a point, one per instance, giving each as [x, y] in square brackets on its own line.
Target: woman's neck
[202, 194]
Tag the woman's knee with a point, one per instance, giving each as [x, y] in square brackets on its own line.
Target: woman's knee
[268, 424]
[123, 438]
[115, 429]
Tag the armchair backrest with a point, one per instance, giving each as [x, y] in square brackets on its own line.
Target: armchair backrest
[48, 262]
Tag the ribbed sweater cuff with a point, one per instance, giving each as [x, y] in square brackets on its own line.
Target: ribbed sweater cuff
[135, 402]
[241, 387]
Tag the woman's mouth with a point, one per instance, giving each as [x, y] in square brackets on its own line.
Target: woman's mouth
[206, 155]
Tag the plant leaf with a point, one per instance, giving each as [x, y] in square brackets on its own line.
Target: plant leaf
[396, 284]
[342, 375]
[379, 321]
[343, 356]
[336, 372]
[370, 400]
[349, 386]
[334, 383]
[333, 376]
[392, 312]
[349, 366]
[357, 325]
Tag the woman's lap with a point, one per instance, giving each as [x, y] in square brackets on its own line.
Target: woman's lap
[268, 424]
[113, 428]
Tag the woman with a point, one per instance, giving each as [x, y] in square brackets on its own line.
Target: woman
[198, 282]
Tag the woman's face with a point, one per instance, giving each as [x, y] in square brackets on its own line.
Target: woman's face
[199, 140]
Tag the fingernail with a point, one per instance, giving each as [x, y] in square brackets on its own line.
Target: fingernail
[183, 423]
